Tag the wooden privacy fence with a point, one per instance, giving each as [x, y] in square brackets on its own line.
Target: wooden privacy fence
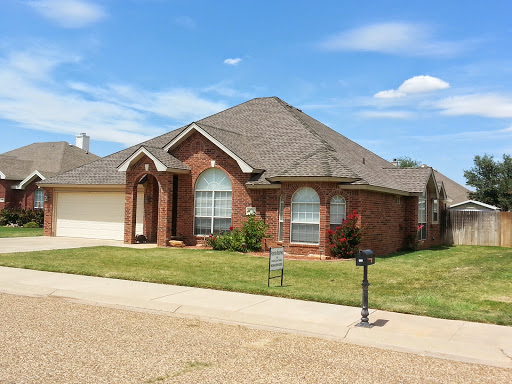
[478, 228]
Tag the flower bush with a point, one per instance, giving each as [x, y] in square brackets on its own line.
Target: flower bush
[344, 240]
[247, 239]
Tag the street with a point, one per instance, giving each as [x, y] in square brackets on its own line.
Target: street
[52, 340]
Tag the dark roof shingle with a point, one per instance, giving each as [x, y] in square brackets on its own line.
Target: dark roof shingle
[49, 159]
[271, 135]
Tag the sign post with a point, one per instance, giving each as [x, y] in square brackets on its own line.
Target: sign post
[275, 263]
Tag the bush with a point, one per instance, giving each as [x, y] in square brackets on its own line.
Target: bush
[247, 239]
[344, 241]
[254, 233]
[31, 224]
[22, 216]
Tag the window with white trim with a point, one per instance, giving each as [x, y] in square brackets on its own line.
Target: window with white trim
[422, 216]
[305, 217]
[212, 203]
[38, 198]
[435, 211]
[338, 212]
[281, 218]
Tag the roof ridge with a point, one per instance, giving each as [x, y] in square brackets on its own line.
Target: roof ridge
[306, 125]
[235, 106]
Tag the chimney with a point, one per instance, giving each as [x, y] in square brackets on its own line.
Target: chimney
[395, 162]
[82, 141]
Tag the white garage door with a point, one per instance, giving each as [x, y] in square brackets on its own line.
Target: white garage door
[95, 215]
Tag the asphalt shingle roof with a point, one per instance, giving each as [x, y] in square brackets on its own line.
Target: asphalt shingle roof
[166, 158]
[455, 191]
[271, 135]
[48, 158]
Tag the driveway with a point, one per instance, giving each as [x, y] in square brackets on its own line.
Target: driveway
[44, 243]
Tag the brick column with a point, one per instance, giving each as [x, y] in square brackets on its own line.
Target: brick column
[164, 209]
[48, 212]
[130, 211]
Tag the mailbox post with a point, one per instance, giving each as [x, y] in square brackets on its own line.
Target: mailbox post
[364, 259]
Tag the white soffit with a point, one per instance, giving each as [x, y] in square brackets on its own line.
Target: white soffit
[23, 183]
[246, 168]
[2, 175]
[136, 156]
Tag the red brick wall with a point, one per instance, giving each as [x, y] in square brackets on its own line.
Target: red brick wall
[17, 198]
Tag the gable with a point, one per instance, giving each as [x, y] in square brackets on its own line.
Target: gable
[194, 128]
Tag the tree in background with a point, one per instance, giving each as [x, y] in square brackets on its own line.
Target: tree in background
[407, 162]
[492, 181]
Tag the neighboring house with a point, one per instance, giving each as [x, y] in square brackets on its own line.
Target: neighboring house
[22, 168]
[455, 192]
[473, 205]
[264, 157]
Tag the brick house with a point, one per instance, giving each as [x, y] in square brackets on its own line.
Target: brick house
[264, 157]
[22, 168]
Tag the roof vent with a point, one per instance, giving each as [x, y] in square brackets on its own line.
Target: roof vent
[82, 141]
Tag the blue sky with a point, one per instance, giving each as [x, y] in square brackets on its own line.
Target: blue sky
[429, 80]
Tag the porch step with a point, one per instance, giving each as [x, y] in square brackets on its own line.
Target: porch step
[176, 243]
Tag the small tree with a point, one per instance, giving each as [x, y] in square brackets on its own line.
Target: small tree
[407, 162]
[492, 181]
[344, 240]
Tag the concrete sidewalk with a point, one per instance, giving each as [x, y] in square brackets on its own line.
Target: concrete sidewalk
[450, 339]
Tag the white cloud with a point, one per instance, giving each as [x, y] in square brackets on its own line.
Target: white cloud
[490, 135]
[416, 84]
[487, 105]
[392, 38]
[69, 13]
[386, 114]
[391, 94]
[117, 113]
[232, 61]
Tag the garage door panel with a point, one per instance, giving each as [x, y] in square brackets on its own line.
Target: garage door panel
[96, 215]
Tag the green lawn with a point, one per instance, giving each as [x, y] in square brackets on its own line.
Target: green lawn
[20, 232]
[463, 282]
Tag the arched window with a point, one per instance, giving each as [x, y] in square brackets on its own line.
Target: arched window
[305, 226]
[338, 211]
[212, 211]
[38, 198]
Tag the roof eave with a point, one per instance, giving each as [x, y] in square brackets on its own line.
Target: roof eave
[311, 178]
[139, 153]
[27, 180]
[375, 188]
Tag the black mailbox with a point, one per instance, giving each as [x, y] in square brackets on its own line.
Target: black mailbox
[365, 257]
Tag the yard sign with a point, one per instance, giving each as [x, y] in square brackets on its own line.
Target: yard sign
[276, 263]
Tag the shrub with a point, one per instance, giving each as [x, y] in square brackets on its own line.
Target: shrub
[254, 233]
[247, 239]
[31, 224]
[22, 216]
[344, 240]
